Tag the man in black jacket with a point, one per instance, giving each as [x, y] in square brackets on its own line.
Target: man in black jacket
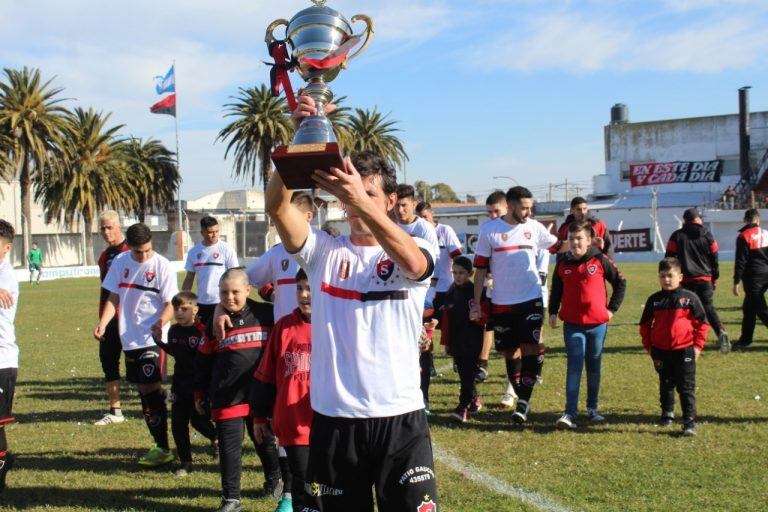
[751, 267]
[696, 249]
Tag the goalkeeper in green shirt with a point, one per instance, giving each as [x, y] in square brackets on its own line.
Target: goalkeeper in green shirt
[35, 260]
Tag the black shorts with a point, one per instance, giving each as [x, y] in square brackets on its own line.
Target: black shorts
[110, 349]
[144, 365]
[205, 313]
[7, 390]
[347, 456]
[517, 324]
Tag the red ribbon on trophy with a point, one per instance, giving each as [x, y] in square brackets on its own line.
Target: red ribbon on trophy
[279, 73]
[334, 58]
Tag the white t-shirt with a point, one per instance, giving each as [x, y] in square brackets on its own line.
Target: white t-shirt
[450, 247]
[278, 268]
[9, 351]
[511, 252]
[366, 321]
[143, 288]
[542, 263]
[209, 263]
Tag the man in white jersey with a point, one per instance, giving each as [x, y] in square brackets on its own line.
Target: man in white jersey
[208, 260]
[274, 273]
[141, 285]
[369, 427]
[507, 247]
[405, 213]
[9, 351]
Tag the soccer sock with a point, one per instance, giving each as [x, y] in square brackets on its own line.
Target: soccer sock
[285, 471]
[115, 411]
[482, 363]
[514, 367]
[156, 416]
[530, 368]
[3, 442]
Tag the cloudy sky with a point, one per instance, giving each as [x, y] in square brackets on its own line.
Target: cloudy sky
[481, 88]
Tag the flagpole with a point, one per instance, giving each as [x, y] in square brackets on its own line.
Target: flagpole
[180, 236]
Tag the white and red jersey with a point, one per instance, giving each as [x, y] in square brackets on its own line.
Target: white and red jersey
[209, 262]
[144, 289]
[421, 228]
[9, 350]
[510, 253]
[450, 247]
[277, 268]
[285, 364]
[366, 322]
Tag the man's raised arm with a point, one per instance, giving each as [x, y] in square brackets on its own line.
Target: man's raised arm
[289, 221]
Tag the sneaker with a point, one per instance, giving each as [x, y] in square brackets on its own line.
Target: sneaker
[475, 405]
[213, 449]
[689, 429]
[594, 416]
[183, 470]
[285, 505]
[566, 422]
[230, 506]
[6, 465]
[724, 342]
[741, 345]
[156, 456]
[666, 420]
[460, 414]
[109, 419]
[520, 416]
[273, 488]
[508, 400]
[481, 375]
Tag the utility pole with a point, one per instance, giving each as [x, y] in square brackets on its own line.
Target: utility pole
[566, 190]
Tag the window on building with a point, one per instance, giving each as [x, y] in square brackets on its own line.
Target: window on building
[473, 221]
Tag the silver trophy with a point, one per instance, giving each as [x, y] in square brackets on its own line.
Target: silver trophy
[321, 40]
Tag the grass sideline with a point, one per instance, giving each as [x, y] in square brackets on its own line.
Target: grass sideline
[64, 463]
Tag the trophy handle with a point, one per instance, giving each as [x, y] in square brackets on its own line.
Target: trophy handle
[369, 30]
[270, 37]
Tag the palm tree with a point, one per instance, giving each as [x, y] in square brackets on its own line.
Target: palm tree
[154, 175]
[92, 175]
[6, 152]
[30, 113]
[371, 131]
[260, 123]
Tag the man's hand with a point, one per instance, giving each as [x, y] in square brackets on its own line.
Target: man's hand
[346, 184]
[598, 242]
[98, 332]
[199, 406]
[736, 290]
[431, 325]
[610, 315]
[260, 431]
[157, 330]
[553, 321]
[306, 108]
[475, 312]
[698, 352]
[6, 299]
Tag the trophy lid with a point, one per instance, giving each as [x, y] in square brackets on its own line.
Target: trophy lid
[318, 9]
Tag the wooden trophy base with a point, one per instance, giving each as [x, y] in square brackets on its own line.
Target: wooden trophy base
[296, 163]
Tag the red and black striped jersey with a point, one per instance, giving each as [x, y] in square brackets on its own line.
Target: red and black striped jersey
[673, 320]
[105, 261]
[224, 368]
[751, 253]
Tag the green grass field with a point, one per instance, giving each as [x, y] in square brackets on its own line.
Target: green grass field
[64, 463]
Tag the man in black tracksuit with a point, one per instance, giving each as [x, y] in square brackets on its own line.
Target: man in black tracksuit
[696, 249]
[751, 267]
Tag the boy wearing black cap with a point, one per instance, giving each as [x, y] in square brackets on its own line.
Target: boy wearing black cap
[696, 249]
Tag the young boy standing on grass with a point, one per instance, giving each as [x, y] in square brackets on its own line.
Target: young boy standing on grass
[462, 337]
[674, 329]
[183, 339]
[35, 260]
[9, 351]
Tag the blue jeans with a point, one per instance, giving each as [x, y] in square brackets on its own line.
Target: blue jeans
[583, 344]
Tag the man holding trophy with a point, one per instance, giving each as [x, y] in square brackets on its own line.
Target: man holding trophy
[369, 427]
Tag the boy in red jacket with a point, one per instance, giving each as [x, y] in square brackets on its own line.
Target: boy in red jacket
[674, 329]
[280, 394]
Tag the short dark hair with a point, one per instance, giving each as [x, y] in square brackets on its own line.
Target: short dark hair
[576, 201]
[463, 262]
[371, 164]
[302, 201]
[691, 214]
[6, 231]
[495, 198]
[668, 264]
[751, 215]
[184, 298]
[208, 222]
[423, 206]
[582, 225]
[517, 193]
[331, 230]
[301, 275]
[405, 191]
[138, 234]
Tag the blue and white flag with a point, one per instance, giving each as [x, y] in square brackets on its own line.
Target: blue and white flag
[166, 83]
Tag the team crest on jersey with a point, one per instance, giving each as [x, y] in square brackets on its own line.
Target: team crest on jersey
[384, 269]
[284, 264]
[199, 255]
[427, 505]
[504, 237]
[148, 369]
[527, 235]
[193, 341]
[125, 274]
[344, 269]
[537, 335]
[150, 276]
[215, 255]
[591, 269]
[684, 302]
